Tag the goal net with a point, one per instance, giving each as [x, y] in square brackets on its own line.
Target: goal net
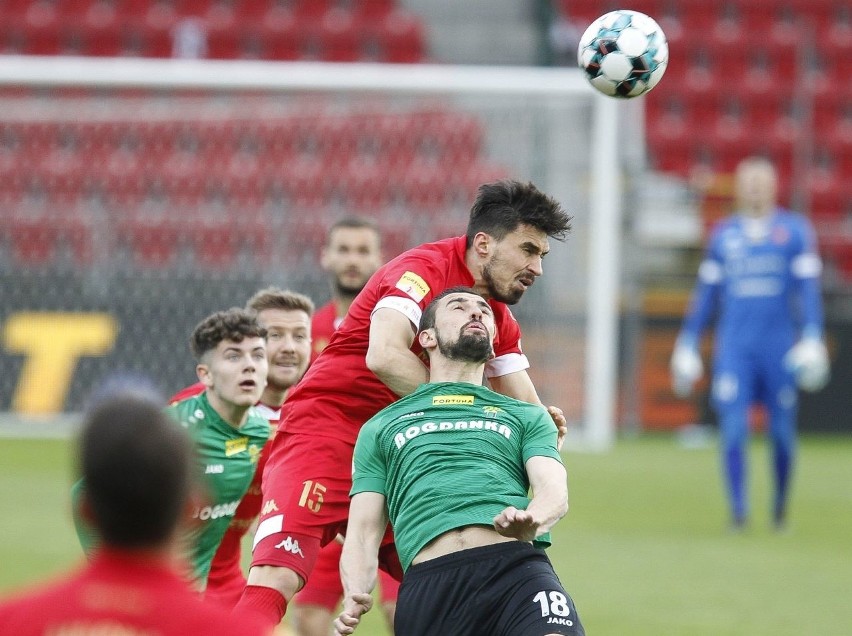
[138, 196]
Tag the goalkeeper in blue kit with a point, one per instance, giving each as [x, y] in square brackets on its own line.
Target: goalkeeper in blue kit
[451, 467]
[761, 275]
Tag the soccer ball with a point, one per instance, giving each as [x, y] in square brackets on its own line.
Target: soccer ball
[623, 53]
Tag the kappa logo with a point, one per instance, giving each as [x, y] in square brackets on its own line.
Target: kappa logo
[291, 545]
[268, 507]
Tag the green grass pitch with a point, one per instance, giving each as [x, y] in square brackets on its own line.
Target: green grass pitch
[644, 549]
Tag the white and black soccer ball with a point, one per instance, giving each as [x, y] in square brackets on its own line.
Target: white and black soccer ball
[623, 53]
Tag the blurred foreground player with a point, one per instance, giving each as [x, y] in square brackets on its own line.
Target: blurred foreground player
[451, 466]
[351, 255]
[372, 360]
[139, 471]
[761, 272]
[230, 349]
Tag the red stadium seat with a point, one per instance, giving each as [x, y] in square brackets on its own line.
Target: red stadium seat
[399, 38]
[39, 233]
[152, 239]
[338, 37]
[366, 185]
[214, 239]
[281, 35]
[309, 9]
[306, 182]
[372, 9]
[33, 240]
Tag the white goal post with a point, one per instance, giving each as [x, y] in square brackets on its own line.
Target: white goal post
[544, 124]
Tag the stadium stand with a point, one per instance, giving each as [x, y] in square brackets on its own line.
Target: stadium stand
[763, 77]
[723, 97]
[164, 190]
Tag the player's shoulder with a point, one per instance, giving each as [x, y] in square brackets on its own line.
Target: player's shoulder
[206, 618]
[793, 219]
[501, 310]
[326, 312]
[427, 258]
[727, 225]
[257, 423]
[186, 406]
[510, 404]
[187, 392]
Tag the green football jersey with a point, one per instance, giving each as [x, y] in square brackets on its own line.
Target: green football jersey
[450, 455]
[226, 457]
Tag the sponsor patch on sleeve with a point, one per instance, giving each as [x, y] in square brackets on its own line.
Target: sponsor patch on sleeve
[413, 285]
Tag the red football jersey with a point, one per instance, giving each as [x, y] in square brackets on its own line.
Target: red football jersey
[119, 593]
[323, 325]
[339, 393]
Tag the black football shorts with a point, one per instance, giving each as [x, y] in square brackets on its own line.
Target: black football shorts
[505, 589]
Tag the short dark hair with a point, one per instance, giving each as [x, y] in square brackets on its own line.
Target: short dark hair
[354, 223]
[427, 319]
[232, 324]
[137, 466]
[275, 298]
[502, 206]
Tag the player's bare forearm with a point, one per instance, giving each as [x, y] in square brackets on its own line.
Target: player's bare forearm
[358, 575]
[401, 371]
[549, 483]
[389, 353]
[359, 560]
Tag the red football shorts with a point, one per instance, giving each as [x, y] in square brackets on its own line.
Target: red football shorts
[305, 500]
[306, 503]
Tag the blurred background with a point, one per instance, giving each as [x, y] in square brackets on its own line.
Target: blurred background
[130, 209]
[129, 213]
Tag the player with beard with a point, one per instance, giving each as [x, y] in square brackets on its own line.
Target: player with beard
[372, 360]
[351, 255]
[451, 466]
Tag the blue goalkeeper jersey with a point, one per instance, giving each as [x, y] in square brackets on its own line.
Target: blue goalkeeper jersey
[762, 277]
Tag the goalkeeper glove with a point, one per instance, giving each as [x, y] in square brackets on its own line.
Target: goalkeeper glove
[808, 361]
[686, 368]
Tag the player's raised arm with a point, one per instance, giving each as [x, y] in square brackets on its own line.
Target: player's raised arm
[389, 354]
[359, 561]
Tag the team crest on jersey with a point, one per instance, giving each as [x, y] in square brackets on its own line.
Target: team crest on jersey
[443, 400]
[780, 235]
[413, 285]
[254, 453]
[234, 446]
[491, 410]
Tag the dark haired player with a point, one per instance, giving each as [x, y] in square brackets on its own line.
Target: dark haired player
[373, 359]
[451, 466]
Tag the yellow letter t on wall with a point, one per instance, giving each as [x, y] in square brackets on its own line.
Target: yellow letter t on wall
[52, 343]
